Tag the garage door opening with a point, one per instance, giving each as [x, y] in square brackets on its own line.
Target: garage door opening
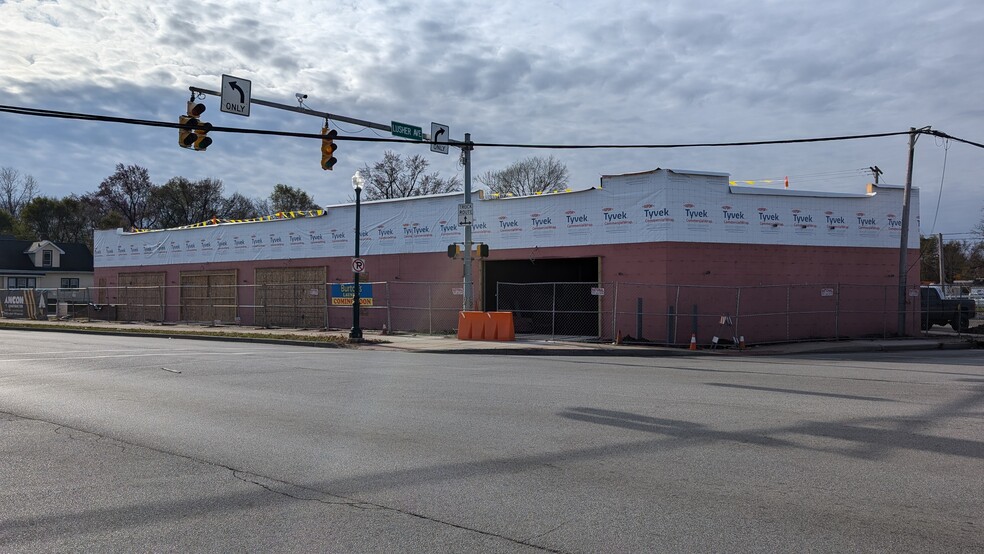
[548, 296]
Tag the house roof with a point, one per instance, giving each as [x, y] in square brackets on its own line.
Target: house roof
[13, 256]
[41, 244]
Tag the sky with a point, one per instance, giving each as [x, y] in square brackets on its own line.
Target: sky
[519, 72]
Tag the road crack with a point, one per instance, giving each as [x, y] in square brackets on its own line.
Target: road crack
[274, 486]
[299, 492]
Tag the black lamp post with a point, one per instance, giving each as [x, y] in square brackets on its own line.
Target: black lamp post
[355, 335]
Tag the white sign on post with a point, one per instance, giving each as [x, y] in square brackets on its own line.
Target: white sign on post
[439, 138]
[235, 95]
[358, 265]
[466, 214]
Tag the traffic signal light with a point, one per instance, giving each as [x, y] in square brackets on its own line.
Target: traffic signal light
[328, 148]
[454, 250]
[186, 137]
[482, 250]
[195, 134]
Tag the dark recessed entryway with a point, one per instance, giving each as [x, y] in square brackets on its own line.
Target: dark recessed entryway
[560, 303]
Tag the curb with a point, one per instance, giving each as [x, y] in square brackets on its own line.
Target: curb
[124, 333]
[526, 350]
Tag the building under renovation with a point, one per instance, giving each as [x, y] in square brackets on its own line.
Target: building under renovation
[661, 256]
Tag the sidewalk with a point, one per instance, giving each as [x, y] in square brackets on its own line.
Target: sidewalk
[451, 345]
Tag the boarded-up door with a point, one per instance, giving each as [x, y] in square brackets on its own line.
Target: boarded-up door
[291, 297]
[208, 296]
[140, 296]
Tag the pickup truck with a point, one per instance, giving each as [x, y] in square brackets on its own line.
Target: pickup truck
[937, 309]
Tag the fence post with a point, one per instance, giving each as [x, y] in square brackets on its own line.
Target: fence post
[837, 310]
[163, 299]
[389, 308]
[430, 308]
[885, 301]
[737, 330]
[676, 321]
[615, 313]
[670, 324]
[639, 318]
[293, 306]
[553, 312]
[787, 310]
[327, 302]
[266, 315]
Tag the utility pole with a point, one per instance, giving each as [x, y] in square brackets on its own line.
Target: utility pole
[939, 253]
[904, 240]
[876, 172]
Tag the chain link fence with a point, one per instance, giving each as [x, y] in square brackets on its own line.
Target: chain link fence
[396, 306]
[425, 307]
[554, 309]
[642, 312]
[673, 314]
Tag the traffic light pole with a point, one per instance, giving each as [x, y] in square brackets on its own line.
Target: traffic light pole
[305, 111]
[468, 302]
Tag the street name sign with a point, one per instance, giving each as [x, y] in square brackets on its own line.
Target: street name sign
[406, 131]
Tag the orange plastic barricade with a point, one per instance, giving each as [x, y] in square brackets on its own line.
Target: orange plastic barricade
[471, 325]
[486, 326]
[500, 326]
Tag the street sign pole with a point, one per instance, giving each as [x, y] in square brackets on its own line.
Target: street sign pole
[468, 303]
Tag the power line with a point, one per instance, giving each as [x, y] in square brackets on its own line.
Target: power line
[38, 112]
[944, 135]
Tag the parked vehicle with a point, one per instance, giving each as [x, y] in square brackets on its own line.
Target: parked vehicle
[937, 309]
[977, 295]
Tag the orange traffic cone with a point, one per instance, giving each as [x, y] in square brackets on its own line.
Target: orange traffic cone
[693, 341]
[618, 338]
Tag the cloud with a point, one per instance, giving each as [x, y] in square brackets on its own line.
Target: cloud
[571, 72]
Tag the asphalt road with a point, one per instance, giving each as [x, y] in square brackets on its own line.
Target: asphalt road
[147, 444]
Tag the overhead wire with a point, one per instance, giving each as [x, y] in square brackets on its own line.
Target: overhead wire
[166, 124]
[238, 130]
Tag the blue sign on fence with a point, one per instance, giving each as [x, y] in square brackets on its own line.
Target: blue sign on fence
[343, 293]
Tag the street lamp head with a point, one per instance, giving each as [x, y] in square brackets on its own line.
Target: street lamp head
[357, 181]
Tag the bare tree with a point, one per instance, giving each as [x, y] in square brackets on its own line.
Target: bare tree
[16, 190]
[239, 206]
[286, 198]
[183, 202]
[128, 192]
[397, 177]
[528, 176]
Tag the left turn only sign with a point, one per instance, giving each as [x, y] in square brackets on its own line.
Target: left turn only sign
[235, 95]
